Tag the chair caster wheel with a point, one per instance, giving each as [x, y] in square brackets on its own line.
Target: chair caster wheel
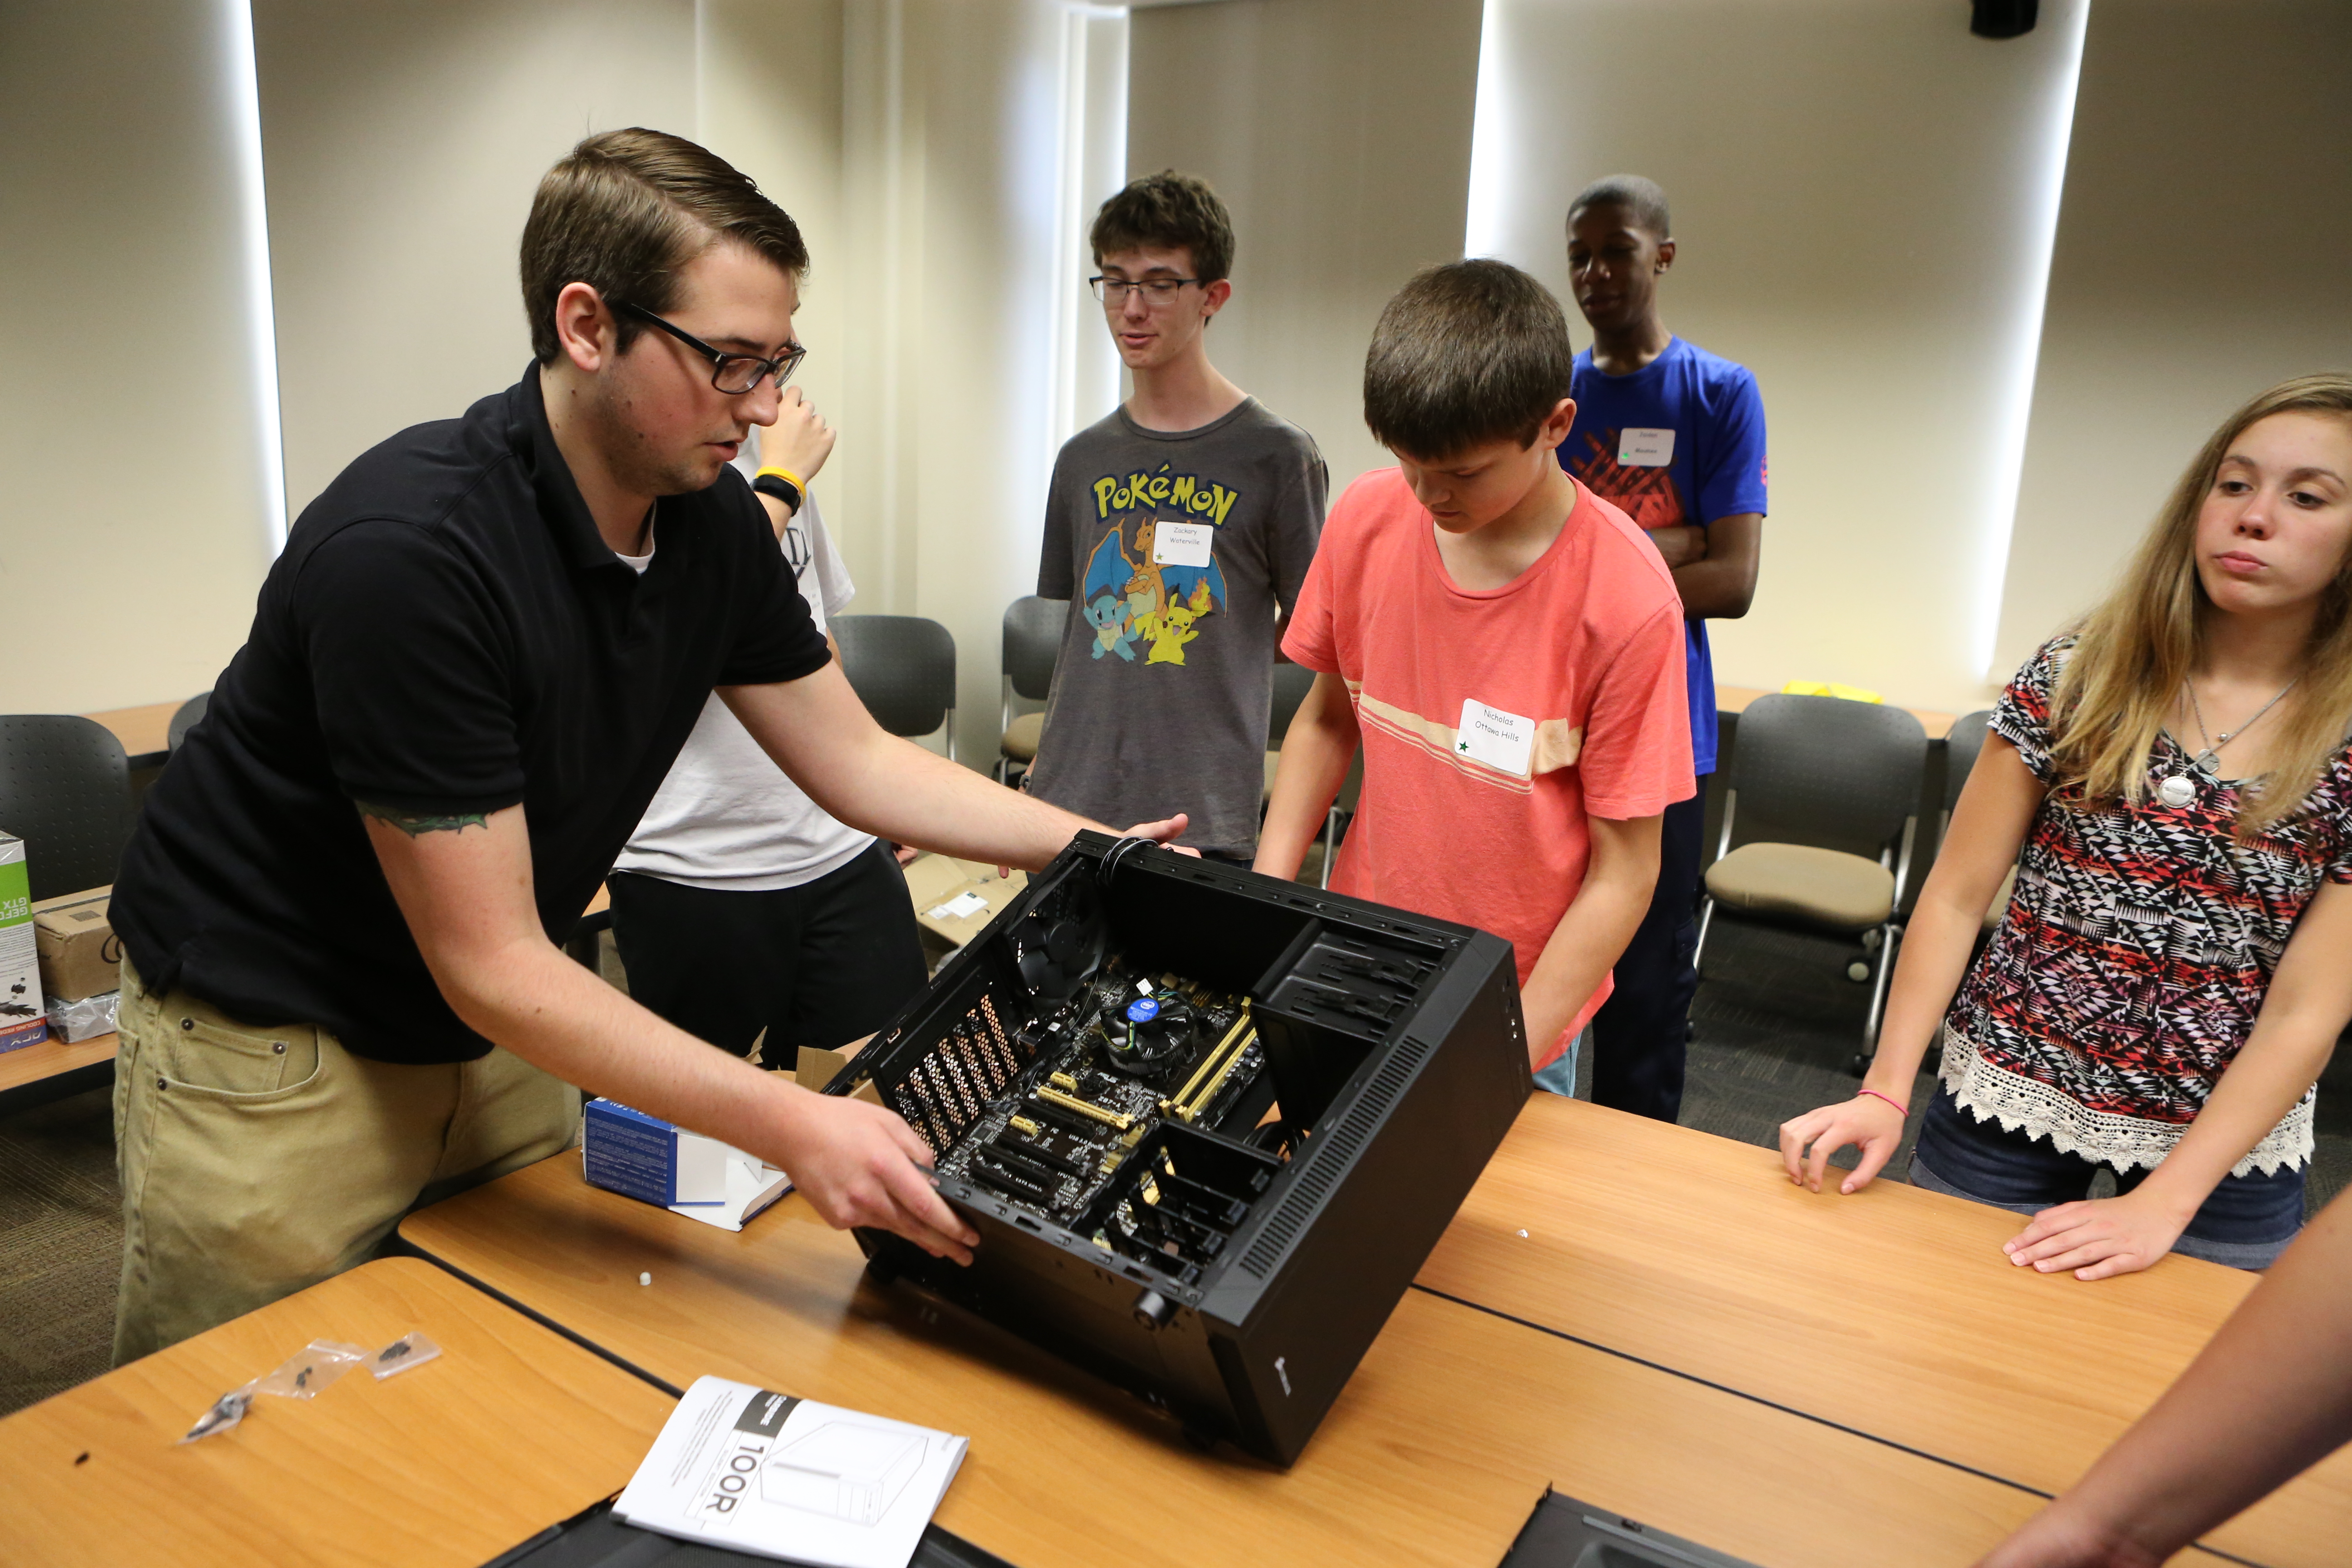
[1857, 971]
[1860, 1066]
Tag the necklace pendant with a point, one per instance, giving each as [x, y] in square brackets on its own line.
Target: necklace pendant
[2177, 791]
[2209, 759]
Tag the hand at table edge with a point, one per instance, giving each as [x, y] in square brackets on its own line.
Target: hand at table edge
[1866, 1122]
[2097, 1237]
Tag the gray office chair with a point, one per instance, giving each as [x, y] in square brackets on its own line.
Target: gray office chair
[903, 668]
[1033, 642]
[1962, 746]
[65, 790]
[185, 719]
[1845, 777]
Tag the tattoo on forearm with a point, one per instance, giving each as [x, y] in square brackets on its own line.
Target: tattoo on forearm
[415, 822]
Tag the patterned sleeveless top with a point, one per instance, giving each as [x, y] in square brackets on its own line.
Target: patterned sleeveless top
[2134, 952]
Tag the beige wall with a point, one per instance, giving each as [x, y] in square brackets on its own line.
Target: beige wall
[1338, 132]
[1847, 178]
[1854, 194]
[134, 515]
[2204, 252]
[403, 139]
[933, 172]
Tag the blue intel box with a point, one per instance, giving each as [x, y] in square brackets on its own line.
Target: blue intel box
[643, 1157]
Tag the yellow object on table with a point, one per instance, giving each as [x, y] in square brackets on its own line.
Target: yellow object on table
[1831, 689]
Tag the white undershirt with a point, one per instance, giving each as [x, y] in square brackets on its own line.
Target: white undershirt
[727, 817]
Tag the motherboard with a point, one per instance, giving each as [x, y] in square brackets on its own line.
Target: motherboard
[1066, 1112]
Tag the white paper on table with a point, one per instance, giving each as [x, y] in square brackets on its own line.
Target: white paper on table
[762, 1472]
[748, 1183]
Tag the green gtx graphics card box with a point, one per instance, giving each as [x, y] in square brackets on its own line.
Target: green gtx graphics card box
[21, 1020]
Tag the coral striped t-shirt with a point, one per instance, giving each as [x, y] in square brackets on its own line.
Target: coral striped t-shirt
[1477, 813]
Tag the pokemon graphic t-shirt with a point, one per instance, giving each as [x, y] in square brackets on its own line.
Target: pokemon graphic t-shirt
[1494, 720]
[1680, 440]
[1175, 549]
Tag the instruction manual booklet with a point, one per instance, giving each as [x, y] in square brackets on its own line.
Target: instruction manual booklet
[763, 1472]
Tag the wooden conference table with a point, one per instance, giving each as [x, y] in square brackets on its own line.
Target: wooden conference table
[1681, 1337]
[52, 1059]
[1890, 1313]
[1437, 1453]
[144, 731]
[512, 1431]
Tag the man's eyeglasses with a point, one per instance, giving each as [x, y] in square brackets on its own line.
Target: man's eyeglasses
[734, 374]
[1113, 291]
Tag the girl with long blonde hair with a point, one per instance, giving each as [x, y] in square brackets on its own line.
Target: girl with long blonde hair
[2173, 784]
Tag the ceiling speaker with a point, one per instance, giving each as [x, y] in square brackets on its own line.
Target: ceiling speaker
[2003, 18]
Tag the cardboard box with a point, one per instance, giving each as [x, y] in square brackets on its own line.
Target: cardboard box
[955, 899]
[22, 1022]
[625, 1151]
[80, 955]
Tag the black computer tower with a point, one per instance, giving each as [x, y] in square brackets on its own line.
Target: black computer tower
[1207, 1124]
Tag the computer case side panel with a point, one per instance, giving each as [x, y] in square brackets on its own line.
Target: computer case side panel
[1315, 1286]
[1169, 1228]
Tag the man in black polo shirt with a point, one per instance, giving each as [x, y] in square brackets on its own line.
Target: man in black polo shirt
[466, 676]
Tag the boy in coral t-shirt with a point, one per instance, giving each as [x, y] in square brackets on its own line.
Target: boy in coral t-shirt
[1504, 646]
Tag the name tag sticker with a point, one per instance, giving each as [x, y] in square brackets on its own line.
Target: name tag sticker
[1645, 448]
[1504, 741]
[1182, 543]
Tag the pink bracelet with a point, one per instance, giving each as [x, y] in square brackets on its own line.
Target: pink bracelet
[1899, 1109]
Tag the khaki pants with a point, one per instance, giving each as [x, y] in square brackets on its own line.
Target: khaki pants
[256, 1163]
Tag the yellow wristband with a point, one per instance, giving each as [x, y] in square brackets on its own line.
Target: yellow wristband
[785, 474]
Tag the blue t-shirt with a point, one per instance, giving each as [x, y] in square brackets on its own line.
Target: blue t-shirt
[1679, 441]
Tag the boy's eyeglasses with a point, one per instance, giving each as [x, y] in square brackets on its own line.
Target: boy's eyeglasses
[1155, 290]
[734, 374]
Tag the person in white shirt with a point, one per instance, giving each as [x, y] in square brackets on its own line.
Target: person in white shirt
[744, 914]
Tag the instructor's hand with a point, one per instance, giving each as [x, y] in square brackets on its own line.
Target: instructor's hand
[1866, 1122]
[1160, 833]
[858, 1164]
[1165, 832]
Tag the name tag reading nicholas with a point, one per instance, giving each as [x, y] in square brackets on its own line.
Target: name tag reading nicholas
[1645, 448]
[1504, 741]
[1182, 543]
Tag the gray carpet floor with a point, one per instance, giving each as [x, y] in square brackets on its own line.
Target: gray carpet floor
[60, 1246]
[1776, 1022]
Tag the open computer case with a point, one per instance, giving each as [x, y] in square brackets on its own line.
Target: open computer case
[1208, 1124]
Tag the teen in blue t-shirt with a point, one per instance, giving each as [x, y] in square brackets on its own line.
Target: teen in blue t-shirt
[1675, 435]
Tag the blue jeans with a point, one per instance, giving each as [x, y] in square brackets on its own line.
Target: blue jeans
[1559, 1077]
[2246, 1222]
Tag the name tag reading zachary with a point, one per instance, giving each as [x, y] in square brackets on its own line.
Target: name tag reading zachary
[1504, 741]
[1645, 448]
[1182, 543]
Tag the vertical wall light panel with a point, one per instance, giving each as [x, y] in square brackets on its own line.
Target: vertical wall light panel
[2204, 252]
[135, 519]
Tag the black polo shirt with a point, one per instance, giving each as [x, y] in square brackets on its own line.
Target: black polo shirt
[446, 633]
